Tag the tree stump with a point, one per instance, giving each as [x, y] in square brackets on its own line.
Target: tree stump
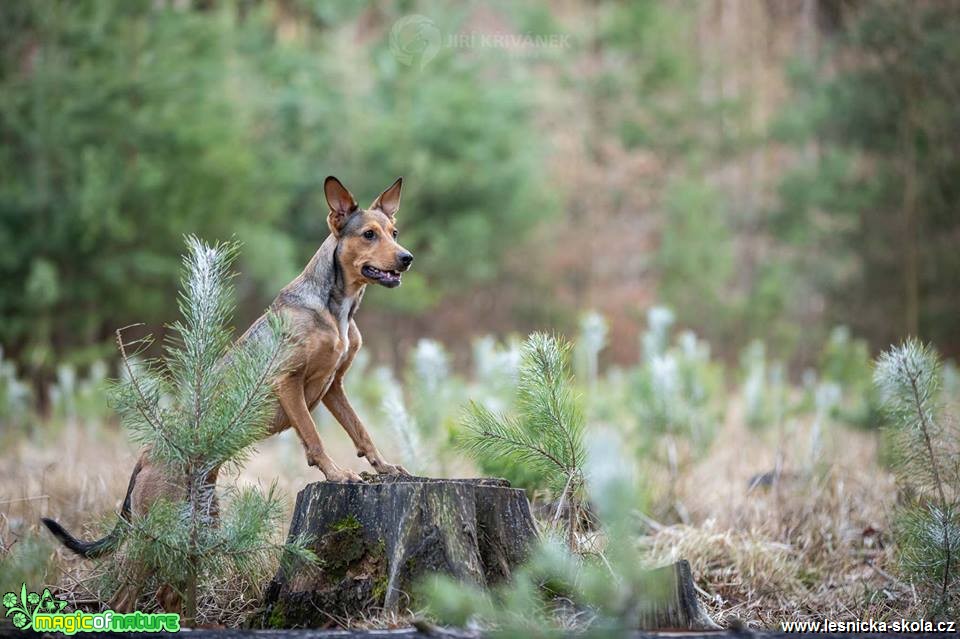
[374, 541]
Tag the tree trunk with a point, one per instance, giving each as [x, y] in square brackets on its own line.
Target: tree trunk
[375, 540]
[911, 268]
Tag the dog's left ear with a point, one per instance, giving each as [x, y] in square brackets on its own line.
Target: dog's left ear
[389, 200]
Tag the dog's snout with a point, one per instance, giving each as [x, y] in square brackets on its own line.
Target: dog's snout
[405, 258]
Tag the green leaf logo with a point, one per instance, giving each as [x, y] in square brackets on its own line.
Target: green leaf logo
[50, 605]
[22, 608]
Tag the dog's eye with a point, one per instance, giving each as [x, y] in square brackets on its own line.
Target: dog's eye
[369, 234]
[395, 233]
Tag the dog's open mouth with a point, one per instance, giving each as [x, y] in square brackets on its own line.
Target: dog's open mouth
[386, 278]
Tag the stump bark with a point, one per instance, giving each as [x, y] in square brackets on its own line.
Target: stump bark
[374, 541]
[676, 607]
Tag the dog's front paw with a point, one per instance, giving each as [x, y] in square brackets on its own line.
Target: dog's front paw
[380, 464]
[342, 474]
[385, 468]
[318, 458]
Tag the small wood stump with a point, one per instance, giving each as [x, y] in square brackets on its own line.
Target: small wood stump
[374, 541]
[676, 606]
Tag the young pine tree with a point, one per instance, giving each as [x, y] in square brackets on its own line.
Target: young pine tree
[560, 594]
[546, 432]
[198, 408]
[927, 459]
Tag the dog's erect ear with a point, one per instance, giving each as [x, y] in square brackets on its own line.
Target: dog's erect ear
[389, 200]
[341, 203]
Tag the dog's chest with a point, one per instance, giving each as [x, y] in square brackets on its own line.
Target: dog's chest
[343, 323]
[330, 347]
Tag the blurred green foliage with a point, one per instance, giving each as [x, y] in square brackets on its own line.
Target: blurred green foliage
[119, 138]
[846, 361]
[764, 388]
[869, 218]
[127, 125]
[677, 390]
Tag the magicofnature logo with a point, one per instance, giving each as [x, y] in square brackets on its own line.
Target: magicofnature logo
[44, 613]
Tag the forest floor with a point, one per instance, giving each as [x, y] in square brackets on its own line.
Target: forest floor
[411, 633]
[777, 526]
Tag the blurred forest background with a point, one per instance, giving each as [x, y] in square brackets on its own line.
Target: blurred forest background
[766, 169]
[728, 207]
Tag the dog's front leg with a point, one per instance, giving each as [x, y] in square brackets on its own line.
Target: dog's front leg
[290, 395]
[337, 403]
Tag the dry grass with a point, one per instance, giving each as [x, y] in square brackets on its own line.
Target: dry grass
[814, 544]
[78, 474]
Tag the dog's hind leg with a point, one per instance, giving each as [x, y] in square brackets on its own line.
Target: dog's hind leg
[125, 599]
[169, 599]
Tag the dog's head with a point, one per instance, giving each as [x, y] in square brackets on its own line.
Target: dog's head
[369, 251]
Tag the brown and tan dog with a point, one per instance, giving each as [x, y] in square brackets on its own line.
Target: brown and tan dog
[318, 308]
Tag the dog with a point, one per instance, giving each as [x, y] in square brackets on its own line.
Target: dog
[318, 309]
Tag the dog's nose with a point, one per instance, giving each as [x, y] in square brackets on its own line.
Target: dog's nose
[406, 259]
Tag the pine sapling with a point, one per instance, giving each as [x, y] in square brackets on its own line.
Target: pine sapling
[591, 341]
[547, 429]
[560, 594]
[198, 408]
[927, 459]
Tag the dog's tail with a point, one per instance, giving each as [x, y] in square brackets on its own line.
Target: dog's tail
[87, 549]
[104, 545]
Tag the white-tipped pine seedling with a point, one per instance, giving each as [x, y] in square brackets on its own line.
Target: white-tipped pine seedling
[201, 406]
[927, 459]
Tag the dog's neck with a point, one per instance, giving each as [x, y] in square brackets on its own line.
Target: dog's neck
[327, 285]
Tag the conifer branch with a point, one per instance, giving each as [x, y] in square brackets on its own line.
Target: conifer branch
[548, 429]
[154, 420]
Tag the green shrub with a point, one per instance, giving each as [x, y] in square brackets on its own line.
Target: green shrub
[764, 388]
[591, 340]
[496, 368]
[29, 560]
[16, 397]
